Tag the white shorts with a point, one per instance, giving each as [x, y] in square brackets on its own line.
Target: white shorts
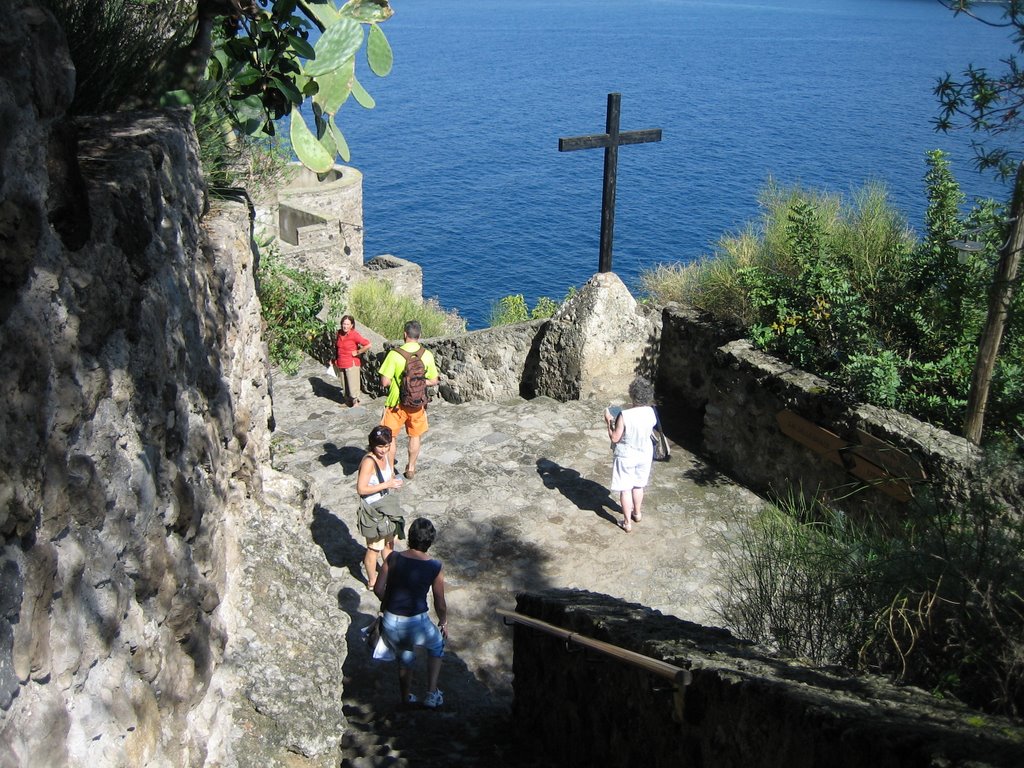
[628, 474]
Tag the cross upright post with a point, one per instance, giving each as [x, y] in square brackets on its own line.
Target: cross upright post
[610, 140]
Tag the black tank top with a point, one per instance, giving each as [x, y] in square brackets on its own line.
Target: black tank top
[409, 580]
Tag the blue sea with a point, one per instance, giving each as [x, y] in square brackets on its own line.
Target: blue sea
[462, 172]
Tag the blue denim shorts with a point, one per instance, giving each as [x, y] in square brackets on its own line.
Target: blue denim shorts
[405, 633]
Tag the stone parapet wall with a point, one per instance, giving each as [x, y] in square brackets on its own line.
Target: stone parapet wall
[724, 397]
[492, 364]
[319, 221]
[404, 277]
[597, 342]
[742, 708]
[573, 355]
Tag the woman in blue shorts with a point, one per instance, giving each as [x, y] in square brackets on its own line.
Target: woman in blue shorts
[402, 587]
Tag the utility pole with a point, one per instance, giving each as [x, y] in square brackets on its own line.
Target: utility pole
[999, 298]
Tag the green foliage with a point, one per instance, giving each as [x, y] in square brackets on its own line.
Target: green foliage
[845, 291]
[241, 71]
[117, 47]
[514, 309]
[374, 304]
[938, 605]
[266, 68]
[876, 378]
[544, 307]
[987, 104]
[510, 310]
[299, 309]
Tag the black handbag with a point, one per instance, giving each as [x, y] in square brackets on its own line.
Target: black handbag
[662, 452]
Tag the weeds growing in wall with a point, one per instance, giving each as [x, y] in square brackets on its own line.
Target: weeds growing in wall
[935, 600]
[512, 309]
[301, 311]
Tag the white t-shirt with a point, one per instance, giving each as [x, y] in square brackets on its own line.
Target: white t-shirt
[636, 439]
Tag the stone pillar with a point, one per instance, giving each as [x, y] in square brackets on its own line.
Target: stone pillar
[596, 343]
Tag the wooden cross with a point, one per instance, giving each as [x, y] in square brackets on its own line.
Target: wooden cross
[610, 141]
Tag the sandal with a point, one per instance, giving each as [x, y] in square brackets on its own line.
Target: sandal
[410, 474]
[638, 516]
[626, 526]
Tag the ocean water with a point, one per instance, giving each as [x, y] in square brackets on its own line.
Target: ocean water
[462, 172]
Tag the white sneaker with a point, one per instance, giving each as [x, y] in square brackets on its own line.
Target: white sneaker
[434, 699]
[412, 699]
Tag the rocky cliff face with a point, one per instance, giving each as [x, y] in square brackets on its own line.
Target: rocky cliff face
[134, 426]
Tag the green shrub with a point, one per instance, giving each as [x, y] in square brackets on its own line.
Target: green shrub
[874, 378]
[510, 310]
[300, 311]
[374, 304]
[844, 290]
[118, 47]
[935, 601]
[514, 309]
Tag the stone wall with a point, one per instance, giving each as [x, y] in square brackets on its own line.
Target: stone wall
[742, 709]
[136, 547]
[597, 342]
[320, 221]
[404, 277]
[724, 397]
[575, 354]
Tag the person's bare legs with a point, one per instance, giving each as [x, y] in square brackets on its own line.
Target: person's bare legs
[414, 452]
[638, 502]
[433, 672]
[370, 564]
[370, 561]
[405, 682]
[626, 502]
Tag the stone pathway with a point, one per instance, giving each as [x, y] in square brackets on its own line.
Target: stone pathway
[518, 492]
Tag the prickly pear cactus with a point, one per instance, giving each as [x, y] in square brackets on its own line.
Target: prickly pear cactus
[331, 76]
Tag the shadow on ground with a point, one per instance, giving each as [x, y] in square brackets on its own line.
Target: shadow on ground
[474, 727]
[582, 493]
[333, 392]
[348, 456]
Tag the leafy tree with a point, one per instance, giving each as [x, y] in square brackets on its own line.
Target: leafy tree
[242, 63]
[986, 103]
[264, 67]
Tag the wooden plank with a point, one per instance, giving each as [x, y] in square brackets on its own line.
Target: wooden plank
[818, 439]
[877, 477]
[838, 451]
[889, 457]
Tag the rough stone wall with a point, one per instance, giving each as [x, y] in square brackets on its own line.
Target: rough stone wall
[405, 277]
[575, 354]
[742, 709]
[596, 343]
[492, 364]
[135, 424]
[332, 246]
[725, 396]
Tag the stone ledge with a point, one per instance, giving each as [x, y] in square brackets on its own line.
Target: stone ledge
[743, 709]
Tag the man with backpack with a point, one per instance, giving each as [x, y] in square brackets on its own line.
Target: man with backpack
[406, 372]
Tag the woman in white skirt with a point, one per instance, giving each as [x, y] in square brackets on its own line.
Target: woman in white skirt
[630, 432]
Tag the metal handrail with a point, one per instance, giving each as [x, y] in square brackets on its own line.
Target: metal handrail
[679, 677]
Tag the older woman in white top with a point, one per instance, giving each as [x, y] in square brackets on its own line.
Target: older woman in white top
[630, 432]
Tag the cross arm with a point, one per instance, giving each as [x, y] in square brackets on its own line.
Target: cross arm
[596, 140]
